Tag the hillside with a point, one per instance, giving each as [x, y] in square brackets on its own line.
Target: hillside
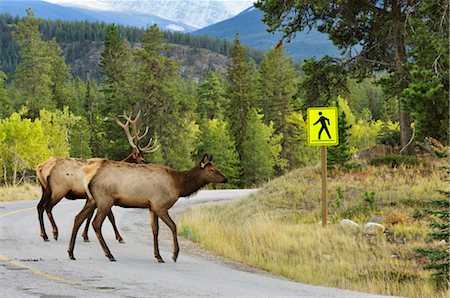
[252, 32]
[82, 44]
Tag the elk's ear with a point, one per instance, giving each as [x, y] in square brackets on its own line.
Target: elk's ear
[205, 161]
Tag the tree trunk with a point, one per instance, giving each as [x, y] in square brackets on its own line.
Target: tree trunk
[400, 62]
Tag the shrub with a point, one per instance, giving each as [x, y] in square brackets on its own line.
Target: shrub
[439, 255]
[394, 161]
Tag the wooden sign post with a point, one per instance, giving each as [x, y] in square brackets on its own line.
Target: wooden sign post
[323, 131]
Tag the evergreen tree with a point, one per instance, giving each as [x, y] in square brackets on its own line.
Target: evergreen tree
[340, 154]
[167, 111]
[211, 96]
[376, 35]
[60, 76]
[41, 79]
[5, 104]
[323, 81]
[298, 153]
[439, 255]
[278, 87]
[241, 92]
[32, 81]
[116, 65]
[261, 150]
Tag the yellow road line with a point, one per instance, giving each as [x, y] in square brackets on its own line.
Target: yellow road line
[31, 269]
[17, 211]
[37, 272]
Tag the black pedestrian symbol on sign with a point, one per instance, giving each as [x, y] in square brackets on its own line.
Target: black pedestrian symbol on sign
[323, 121]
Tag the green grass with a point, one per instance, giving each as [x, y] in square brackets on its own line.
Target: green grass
[278, 229]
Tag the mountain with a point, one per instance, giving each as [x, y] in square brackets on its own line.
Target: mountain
[195, 13]
[253, 33]
[50, 11]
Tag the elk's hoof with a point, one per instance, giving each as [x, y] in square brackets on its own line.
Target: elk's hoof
[86, 239]
[160, 260]
[71, 256]
[111, 258]
[120, 240]
[45, 237]
[174, 258]
[55, 236]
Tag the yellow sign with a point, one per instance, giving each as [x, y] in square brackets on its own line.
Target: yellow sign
[323, 126]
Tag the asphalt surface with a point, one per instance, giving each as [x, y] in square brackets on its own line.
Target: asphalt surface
[31, 267]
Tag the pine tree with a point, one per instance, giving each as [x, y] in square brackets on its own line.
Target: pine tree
[5, 104]
[439, 255]
[117, 67]
[241, 92]
[211, 96]
[278, 88]
[340, 154]
[261, 150]
[32, 81]
[41, 79]
[60, 75]
[167, 110]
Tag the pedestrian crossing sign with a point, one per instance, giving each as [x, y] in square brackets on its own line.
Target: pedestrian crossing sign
[322, 126]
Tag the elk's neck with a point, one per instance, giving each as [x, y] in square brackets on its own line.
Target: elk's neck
[188, 182]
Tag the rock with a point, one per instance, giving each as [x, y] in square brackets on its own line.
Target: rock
[379, 219]
[327, 257]
[373, 228]
[348, 223]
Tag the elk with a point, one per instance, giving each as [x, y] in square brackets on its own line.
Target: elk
[109, 183]
[62, 177]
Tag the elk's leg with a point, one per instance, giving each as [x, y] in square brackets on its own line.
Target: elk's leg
[155, 230]
[88, 208]
[102, 212]
[113, 223]
[164, 215]
[40, 210]
[86, 228]
[48, 209]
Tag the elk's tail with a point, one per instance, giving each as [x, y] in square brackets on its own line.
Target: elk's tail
[90, 171]
[43, 171]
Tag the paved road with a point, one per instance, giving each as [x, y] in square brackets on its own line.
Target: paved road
[31, 267]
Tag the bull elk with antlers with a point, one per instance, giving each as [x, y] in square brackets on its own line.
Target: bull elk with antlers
[156, 187]
[63, 177]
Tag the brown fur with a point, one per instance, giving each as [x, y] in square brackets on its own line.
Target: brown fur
[109, 183]
[63, 177]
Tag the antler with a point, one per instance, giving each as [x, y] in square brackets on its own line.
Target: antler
[134, 140]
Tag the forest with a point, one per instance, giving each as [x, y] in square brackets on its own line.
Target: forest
[250, 118]
[79, 39]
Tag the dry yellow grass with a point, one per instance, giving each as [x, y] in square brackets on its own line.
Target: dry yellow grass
[19, 193]
[278, 230]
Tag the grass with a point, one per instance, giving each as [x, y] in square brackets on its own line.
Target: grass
[19, 193]
[278, 229]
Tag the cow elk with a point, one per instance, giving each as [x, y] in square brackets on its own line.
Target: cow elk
[109, 183]
[63, 177]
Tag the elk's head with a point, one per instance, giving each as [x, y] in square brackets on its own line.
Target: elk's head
[209, 171]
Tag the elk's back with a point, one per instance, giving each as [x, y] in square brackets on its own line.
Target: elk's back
[133, 185]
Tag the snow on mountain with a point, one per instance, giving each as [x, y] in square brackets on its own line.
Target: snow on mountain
[195, 13]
